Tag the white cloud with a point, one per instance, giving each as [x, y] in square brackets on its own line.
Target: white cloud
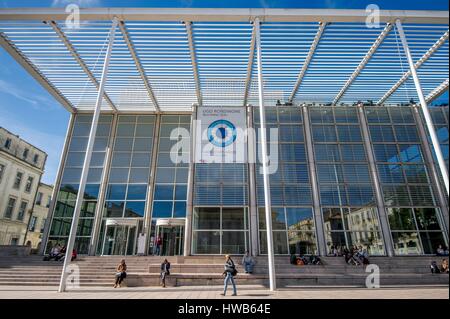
[37, 101]
[81, 3]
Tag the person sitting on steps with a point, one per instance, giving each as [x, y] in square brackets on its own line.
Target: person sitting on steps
[165, 271]
[121, 273]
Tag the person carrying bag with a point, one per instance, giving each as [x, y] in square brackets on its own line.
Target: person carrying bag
[229, 273]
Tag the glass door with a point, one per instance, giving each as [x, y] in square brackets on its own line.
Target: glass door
[172, 240]
[119, 240]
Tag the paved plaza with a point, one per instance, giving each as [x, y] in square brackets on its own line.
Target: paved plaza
[213, 292]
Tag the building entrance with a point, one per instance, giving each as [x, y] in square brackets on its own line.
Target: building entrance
[120, 237]
[171, 231]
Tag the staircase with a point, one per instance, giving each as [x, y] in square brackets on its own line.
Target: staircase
[206, 270]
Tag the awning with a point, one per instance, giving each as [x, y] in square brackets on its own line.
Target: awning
[167, 59]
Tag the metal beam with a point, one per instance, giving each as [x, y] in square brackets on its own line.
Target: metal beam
[226, 14]
[437, 92]
[248, 79]
[87, 160]
[137, 61]
[308, 58]
[424, 107]
[35, 73]
[198, 91]
[417, 65]
[80, 61]
[364, 61]
[265, 161]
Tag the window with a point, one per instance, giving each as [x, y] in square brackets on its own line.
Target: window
[14, 241]
[18, 180]
[33, 223]
[43, 225]
[10, 207]
[49, 200]
[22, 210]
[2, 171]
[36, 158]
[39, 198]
[25, 153]
[29, 184]
[8, 143]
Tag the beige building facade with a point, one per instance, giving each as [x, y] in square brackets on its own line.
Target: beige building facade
[38, 216]
[21, 168]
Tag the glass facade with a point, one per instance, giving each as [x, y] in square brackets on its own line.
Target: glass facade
[290, 188]
[414, 216]
[345, 184]
[441, 125]
[65, 204]
[140, 190]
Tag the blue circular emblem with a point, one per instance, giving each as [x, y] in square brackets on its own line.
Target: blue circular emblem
[221, 133]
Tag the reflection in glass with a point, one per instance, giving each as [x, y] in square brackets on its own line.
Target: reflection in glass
[206, 242]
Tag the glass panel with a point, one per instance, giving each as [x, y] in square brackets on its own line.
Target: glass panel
[116, 191]
[135, 209]
[278, 218]
[302, 243]
[233, 218]
[427, 219]
[279, 242]
[179, 209]
[162, 209]
[431, 241]
[234, 242]
[206, 218]
[114, 209]
[300, 219]
[406, 243]
[206, 242]
[332, 218]
[164, 192]
[139, 175]
[137, 192]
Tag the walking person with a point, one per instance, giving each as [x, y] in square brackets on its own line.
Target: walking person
[165, 271]
[121, 273]
[248, 262]
[158, 243]
[229, 273]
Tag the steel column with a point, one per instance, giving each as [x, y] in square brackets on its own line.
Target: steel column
[87, 159]
[435, 180]
[318, 217]
[151, 184]
[265, 161]
[190, 189]
[382, 216]
[253, 207]
[423, 104]
[103, 189]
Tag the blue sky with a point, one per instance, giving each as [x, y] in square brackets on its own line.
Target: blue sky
[28, 110]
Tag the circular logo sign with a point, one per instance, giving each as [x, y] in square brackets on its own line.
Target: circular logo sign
[221, 133]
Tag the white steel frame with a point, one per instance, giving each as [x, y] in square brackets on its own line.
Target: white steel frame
[87, 160]
[29, 52]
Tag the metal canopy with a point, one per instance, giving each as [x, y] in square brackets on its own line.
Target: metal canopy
[164, 60]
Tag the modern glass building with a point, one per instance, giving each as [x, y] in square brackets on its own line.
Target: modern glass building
[133, 182]
[347, 172]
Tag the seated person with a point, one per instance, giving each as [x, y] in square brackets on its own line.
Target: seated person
[55, 251]
[440, 251]
[293, 259]
[248, 262]
[315, 260]
[434, 268]
[444, 266]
